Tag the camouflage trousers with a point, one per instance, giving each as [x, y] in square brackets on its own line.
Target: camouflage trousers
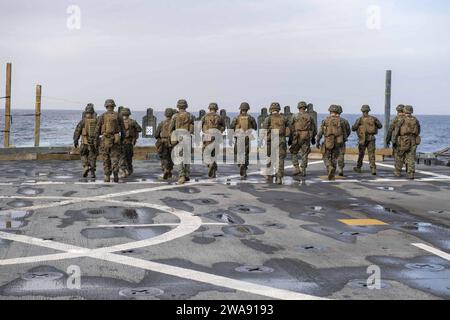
[126, 157]
[88, 155]
[111, 153]
[211, 166]
[330, 157]
[246, 154]
[406, 158]
[278, 168]
[304, 149]
[341, 156]
[165, 155]
[370, 146]
[184, 170]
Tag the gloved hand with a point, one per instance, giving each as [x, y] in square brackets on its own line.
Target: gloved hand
[318, 145]
[75, 143]
[313, 141]
[290, 141]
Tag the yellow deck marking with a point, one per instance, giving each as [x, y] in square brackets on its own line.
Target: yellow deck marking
[362, 222]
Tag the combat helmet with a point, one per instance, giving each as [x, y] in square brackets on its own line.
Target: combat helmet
[89, 108]
[168, 112]
[408, 110]
[334, 108]
[302, 105]
[275, 106]
[126, 111]
[400, 108]
[365, 108]
[182, 104]
[213, 106]
[244, 106]
[110, 103]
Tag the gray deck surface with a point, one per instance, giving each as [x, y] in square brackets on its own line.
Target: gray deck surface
[223, 238]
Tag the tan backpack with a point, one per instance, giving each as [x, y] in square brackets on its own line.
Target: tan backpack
[409, 126]
[334, 134]
[183, 121]
[110, 124]
[243, 123]
[302, 122]
[212, 121]
[88, 129]
[277, 122]
[165, 129]
[369, 125]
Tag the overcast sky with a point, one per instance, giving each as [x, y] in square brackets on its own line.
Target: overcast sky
[152, 53]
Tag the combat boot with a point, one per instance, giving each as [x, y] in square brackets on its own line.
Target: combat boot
[116, 177]
[341, 172]
[107, 179]
[397, 173]
[303, 172]
[374, 171]
[278, 180]
[93, 174]
[211, 172]
[165, 175]
[331, 173]
[182, 180]
[297, 170]
[85, 172]
[411, 176]
[357, 169]
[243, 173]
[169, 174]
[269, 179]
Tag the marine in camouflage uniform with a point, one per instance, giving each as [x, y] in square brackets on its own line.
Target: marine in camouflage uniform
[88, 150]
[407, 135]
[111, 130]
[366, 128]
[333, 131]
[276, 121]
[212, 120]
[244, 121]
[343, 148]
[163, 145]
[303, 132]
[182, 120]
[392, 126]
[132, 130]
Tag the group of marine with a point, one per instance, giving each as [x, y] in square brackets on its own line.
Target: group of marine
[114, 136]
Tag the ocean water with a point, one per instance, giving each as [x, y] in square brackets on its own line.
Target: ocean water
[57, 128]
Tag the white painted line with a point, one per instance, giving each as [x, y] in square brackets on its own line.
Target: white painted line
[42, 258]
[432, 250]
[39, 242]
[210, 278]
[437, 175]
